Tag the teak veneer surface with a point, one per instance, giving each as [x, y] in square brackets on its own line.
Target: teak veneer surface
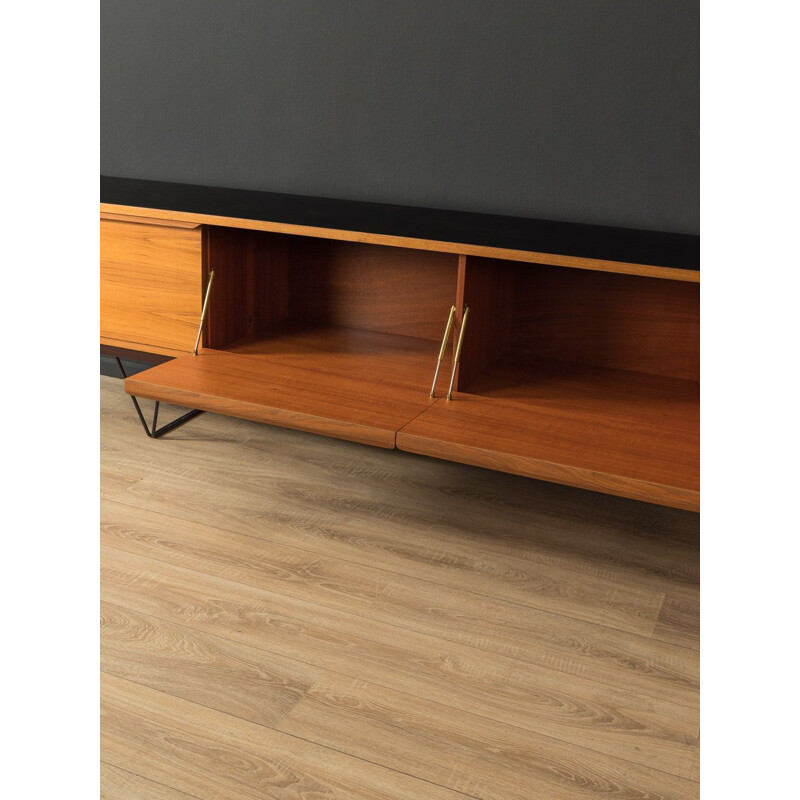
[350, 384]
[667, 255]
[405, 362]
[607, 430]
[586, 389]
[625, 322]
[371, 287]
[339, 337]
[170, 223]
[150, 285]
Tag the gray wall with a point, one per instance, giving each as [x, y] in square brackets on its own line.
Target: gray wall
[580, 110]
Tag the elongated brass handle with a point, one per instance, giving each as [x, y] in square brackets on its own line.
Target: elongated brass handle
[203, 312]
[443, 348]
[458, 351]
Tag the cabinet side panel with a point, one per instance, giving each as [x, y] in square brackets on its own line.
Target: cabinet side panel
[150, 284]
[487, 288]
[250, 289]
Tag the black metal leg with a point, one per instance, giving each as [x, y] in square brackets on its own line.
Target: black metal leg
[155, 433]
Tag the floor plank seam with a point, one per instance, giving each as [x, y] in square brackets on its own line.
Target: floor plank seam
[392, 624]
[643, 574]
[416, 578]
[151, 780]
[348, 675]
[293, 736]
[466, 645]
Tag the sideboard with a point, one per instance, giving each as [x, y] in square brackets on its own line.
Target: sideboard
[572, 352]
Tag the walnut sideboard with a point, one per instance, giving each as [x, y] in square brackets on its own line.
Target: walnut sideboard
[579, 361]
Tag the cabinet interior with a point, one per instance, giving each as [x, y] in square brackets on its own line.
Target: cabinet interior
[369, 310]
[533, 325]
[580, 376]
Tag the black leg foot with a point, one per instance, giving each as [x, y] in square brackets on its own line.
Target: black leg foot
[155, 433]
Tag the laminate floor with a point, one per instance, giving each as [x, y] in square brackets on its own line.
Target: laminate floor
[289, 616]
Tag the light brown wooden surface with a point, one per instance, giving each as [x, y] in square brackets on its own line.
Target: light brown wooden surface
[150, 286]
[344, 383]
[142, 349]
[487, 288]
[615, 321]
[119, 784]
[251, 283]
[288, 616]
[368, 287]
[611, 431]
[170, 223]
[553, 259]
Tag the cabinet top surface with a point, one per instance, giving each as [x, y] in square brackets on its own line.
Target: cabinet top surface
[629, 245]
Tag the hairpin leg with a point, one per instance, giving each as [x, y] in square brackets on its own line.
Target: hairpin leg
[155, 433]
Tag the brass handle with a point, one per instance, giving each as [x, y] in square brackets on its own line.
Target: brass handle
[203, 312]
[443, 348]
[458, 351]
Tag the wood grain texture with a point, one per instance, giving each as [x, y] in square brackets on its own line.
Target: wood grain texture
[522, 632]
[367, 399]
[208, 670]
[143, 348]
[251, 284]
[293, 571]
[170, 223]
[589, 391]
[205, 752]
[119, 784]
[555, 427]
[480, 757]
[296, 515]
[368, 287]
[342, 621]
[404, 363]
[644, 730]
[487, 287]
[474, 511]
[526, 256]
[270, 287]
[607, 430]
[616, 321]
[150, 286]
[679, 620]
[336, 496]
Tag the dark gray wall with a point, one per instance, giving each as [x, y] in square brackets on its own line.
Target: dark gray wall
[581, 110]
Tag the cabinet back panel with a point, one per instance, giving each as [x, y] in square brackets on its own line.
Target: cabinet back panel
[607, 320]
[371, 287]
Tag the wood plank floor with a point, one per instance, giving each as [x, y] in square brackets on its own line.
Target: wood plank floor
[289, 616]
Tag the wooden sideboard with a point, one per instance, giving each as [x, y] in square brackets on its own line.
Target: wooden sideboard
[580, 356]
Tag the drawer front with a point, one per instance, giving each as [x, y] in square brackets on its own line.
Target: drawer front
[150, 285]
